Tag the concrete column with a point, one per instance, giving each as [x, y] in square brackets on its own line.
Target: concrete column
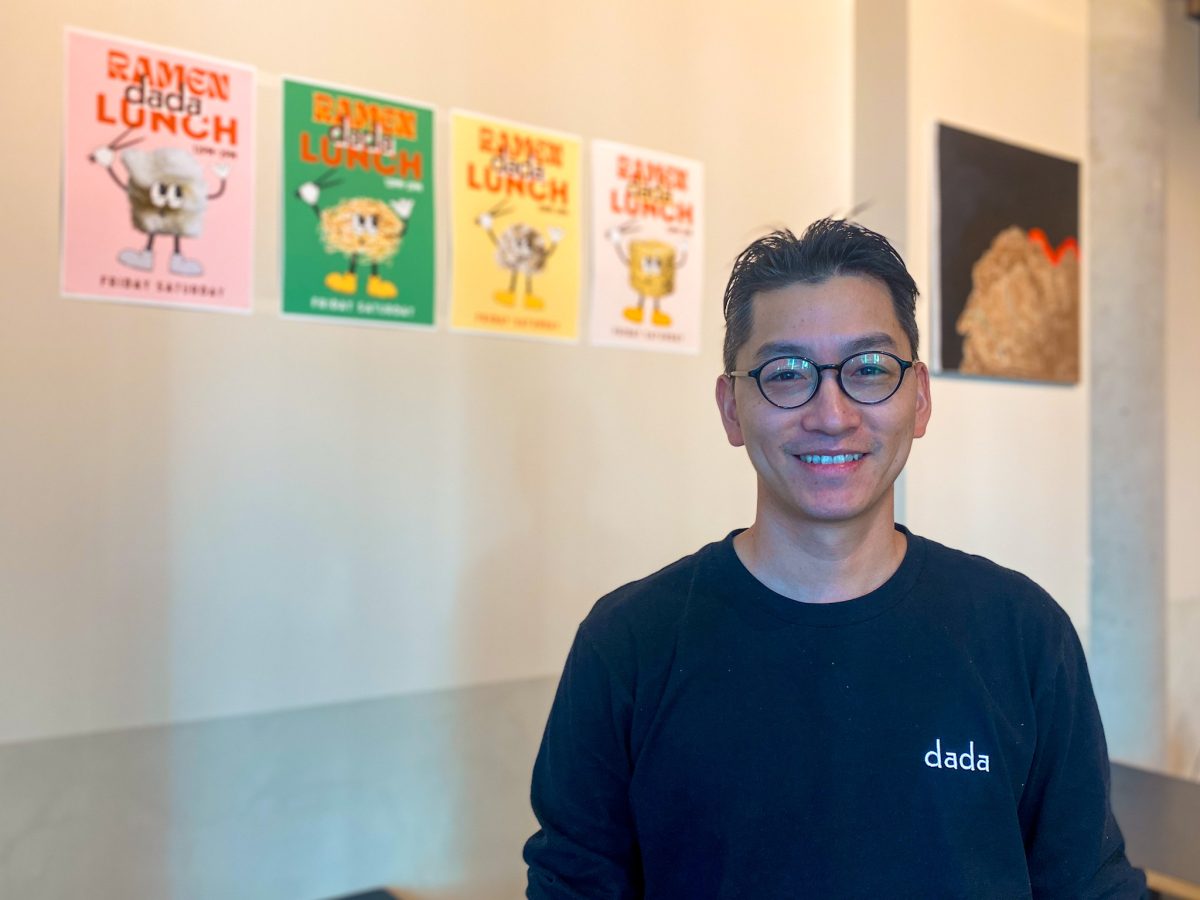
[1124, 256]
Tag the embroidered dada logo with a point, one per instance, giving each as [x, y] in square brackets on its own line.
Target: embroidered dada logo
[937, 758]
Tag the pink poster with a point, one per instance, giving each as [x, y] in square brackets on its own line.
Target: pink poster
[158, 176]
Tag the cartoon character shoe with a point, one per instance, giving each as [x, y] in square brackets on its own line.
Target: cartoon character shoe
[142, 260]
[181, 265]
[505, 298]
[342, 282]
[381, 288]
[533, 302]
[633, 314]
[661, 318]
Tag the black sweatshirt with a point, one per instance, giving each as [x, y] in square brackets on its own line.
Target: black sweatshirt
[937, 737]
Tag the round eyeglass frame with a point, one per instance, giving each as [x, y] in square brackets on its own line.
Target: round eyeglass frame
[905, 365]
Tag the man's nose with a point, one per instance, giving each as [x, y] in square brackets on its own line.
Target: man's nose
[830, 410]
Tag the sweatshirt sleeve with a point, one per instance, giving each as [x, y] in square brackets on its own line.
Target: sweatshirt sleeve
[1072, 842]
[585, 847]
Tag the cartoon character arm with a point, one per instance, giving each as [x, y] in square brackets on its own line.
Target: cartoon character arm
[104, 156]
[484, 221]
[310, 194]
[222, 172]
[556, 236]
[613, 236]
[403, 209]
[682, 256]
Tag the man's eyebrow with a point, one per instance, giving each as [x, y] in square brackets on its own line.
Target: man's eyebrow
[880, 340]
[876, 340]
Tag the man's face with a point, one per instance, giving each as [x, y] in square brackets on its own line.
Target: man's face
[826, 323]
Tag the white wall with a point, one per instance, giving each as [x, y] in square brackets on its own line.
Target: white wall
[1003, 469]
[1183, 400]
[207, 515]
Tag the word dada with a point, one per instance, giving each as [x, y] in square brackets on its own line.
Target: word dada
[367, 150]
[148, 102]
[518, 166]
[649, 191]
[524, 179]
[515, 145]
[350, 114]
[650, 203]
[937, 759]
[159, 74]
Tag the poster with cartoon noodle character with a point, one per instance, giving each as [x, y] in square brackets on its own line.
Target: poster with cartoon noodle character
[515, 200]
[158, 176]
[647, 248]
[358, 206]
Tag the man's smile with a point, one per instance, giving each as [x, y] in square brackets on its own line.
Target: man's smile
[838, 459]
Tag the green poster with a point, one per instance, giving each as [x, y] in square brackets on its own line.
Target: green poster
[358, 206]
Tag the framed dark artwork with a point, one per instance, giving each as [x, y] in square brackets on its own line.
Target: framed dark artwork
[1007, 302]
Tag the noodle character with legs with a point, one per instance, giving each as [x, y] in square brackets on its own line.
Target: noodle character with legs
[522, 250]
[652, 265]
[363, 229]
[168, 194]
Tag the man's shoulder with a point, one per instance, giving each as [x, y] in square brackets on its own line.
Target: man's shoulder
[988, 585]
[660, 598]
[963, 563]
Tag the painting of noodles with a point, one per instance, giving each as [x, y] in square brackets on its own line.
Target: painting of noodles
[1008, 295]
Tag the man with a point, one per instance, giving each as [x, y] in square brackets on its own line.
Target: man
[824, 704]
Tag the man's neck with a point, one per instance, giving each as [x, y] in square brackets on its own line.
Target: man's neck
[822, 562]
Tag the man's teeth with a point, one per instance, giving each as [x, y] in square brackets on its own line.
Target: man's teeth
[820, 460]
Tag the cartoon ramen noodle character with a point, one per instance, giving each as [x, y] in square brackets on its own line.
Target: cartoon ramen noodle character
[522, 250]
[361, 229]
[652, 266]
[168, 194]
[1021, 319]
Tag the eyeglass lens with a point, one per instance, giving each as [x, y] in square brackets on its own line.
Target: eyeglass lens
[866, 377]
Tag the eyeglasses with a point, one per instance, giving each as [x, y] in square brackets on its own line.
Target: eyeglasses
[791, 381]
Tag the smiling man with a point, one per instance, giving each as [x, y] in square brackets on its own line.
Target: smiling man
[825, 704]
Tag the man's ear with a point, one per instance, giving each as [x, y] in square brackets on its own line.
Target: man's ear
[924, 400]
[727, 404]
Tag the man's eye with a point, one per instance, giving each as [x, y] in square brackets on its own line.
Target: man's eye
[784, 375]
[789, 371]
[871, 368]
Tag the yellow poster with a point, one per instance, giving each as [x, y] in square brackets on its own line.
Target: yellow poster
[517, 228]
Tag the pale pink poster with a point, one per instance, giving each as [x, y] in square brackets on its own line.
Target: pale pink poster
[647, 248]
[158, 175]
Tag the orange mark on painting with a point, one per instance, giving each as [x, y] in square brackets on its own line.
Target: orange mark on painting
[1054, 255]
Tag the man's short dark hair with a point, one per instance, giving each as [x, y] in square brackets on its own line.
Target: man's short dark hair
[828, 248]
